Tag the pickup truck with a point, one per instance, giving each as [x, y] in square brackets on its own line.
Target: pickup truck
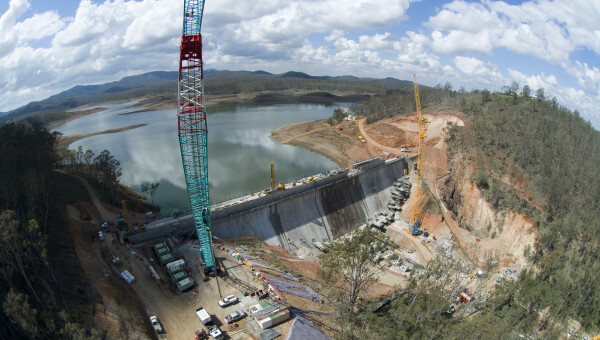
[235, 316]
[228, 300]
[156, 324]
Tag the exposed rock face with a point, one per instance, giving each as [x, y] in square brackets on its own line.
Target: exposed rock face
[500, 235]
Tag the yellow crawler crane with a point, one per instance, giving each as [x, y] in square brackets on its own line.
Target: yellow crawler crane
[415, 223]
[274, 186]
[126, 215]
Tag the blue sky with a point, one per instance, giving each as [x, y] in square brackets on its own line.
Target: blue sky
[49, 46]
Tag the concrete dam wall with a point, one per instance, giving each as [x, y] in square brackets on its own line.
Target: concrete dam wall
[320, 210]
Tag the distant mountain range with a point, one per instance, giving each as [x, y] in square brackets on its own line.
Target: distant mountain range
[164, 83]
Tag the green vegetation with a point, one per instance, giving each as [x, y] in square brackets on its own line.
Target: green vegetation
[338, 116]
[559, 153]
[552, 156]
[44, 293]
[402, 101]
[150, 189]
[347, 265]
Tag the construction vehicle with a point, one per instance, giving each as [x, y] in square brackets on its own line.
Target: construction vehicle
[126, 215]
[415, 223]
[274, 186]
[192, 126]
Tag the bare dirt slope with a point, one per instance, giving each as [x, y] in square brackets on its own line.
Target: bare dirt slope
[491, 235]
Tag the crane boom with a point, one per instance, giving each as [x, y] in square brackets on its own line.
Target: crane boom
[192, 128]
[415, 223]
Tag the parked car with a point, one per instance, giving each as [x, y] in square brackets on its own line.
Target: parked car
[228, 300]
[156, 324]
[235, 316]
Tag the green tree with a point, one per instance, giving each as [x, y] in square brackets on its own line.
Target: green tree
[19, 312]
[514, 88]
[338, 116]
[19, 246]
[526, 91]
[351, 265]
[539, 94]
[150, 189]
[108, 172]
[485, 96]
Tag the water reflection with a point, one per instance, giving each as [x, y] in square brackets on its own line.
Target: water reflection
[240, 149]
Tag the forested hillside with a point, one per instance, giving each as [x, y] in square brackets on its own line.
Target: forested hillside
[559, 153]
[552, 155]
[44, 294]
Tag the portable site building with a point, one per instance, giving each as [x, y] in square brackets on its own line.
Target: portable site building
[263, 309]
[175, 271]
[179, 276]
[185, 284]
[162, 251]
[176, 264]
[168, 258]
[160, 246]
[274, 319]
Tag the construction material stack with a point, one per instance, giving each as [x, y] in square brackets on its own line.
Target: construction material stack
[191, 116]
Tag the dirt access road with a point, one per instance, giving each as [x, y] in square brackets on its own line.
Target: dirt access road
[125, 308]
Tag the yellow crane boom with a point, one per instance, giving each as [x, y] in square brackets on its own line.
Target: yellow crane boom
[126, 214]
[414, 222]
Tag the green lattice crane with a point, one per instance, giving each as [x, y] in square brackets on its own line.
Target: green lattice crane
[192, 129]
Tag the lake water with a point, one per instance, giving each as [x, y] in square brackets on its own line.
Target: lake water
[240, 149]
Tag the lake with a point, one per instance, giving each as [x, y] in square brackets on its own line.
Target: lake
[240, 148]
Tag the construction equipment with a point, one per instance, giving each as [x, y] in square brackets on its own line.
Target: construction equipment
[192, 128]
[274, 186]
[415, 222]
[126, 215]
[272, 176]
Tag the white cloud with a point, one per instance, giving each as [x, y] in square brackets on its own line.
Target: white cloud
[534, 81]
[43, 53]
[8, 36]
[461, 42]
[335, 34]
[587, 77]
[474, 70]
[574, 99]
[547, 30]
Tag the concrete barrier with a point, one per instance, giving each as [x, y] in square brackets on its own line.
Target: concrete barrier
[320, 210]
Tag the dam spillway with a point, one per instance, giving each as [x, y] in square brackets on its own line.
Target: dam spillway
[313, 211]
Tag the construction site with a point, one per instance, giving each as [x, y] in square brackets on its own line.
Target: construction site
[258, 276]
[247, 268]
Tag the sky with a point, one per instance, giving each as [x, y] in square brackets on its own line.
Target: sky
[47, 47]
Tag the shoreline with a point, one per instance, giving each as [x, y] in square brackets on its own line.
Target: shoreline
[164, 103]
[65, 141]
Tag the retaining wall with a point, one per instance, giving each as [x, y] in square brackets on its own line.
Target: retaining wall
[320, 210]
